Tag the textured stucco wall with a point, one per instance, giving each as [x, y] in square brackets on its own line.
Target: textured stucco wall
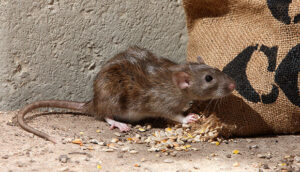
[53, 49]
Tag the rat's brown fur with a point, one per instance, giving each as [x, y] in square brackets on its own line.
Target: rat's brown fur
[136, 84]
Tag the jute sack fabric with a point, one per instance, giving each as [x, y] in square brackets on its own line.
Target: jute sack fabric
[257, 43]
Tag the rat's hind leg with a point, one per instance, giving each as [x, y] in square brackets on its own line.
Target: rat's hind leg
[115, 124]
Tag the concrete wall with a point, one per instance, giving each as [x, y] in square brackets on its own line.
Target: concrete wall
[53, 49]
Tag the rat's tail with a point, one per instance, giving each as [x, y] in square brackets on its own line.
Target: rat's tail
[78, 106]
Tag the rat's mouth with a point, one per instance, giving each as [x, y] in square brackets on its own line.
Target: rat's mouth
[223, 93]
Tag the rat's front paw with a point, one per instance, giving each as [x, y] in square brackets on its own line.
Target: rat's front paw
[116, 124]
[191, 117]
[122, 126]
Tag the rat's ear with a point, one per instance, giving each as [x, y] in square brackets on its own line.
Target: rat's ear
[181, 80]
[200, 60]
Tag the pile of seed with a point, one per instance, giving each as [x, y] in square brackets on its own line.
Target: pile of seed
[179, 137]
[175, 138]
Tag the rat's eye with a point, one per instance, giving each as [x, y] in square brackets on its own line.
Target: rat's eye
[208, 78]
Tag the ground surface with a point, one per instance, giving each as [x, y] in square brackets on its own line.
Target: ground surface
[21, 151]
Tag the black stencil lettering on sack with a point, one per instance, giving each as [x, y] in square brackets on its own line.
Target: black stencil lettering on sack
[287, 75]
[297, 18]
[271, 53]
[280, 10]
[271, 97]
[237, 70]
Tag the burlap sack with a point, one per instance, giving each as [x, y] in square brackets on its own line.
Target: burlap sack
[257, 43]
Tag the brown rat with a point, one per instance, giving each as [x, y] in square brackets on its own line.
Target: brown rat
[135, 84]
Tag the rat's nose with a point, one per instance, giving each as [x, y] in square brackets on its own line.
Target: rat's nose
[231, 86]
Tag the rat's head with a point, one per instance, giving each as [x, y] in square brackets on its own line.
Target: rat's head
[202, 82]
